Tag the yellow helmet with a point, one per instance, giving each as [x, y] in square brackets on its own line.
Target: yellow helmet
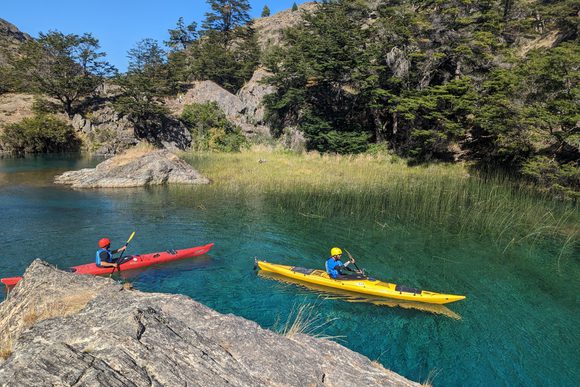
[335, 251]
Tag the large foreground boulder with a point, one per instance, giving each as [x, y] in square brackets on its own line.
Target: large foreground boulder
[135, 168]
[68, 333]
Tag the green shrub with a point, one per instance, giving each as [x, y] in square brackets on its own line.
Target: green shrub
[39, 134]
[562, 178]
[222, 141]
[42, 106]
[210, 128]
[339, 142]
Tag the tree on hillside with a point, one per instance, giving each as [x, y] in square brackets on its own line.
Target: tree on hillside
[182, 36]
[227, 53]
[68, 68]
[147, 81]
[182, 43]
[326, 80]
[294, 7]
[265, 11]
[226, 16]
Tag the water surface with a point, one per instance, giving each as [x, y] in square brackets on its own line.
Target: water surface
[518, 324]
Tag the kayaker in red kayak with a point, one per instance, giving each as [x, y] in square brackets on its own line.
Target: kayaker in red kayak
[334, 266]
[104, 257]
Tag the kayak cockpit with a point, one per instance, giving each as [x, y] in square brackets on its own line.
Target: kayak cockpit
[302, 270]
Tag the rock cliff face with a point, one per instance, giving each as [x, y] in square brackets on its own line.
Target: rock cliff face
[243, 109]
[134, 169]
[270, 30]
[10, 39]
[64, 331]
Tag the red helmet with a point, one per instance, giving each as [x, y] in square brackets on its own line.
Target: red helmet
[105, 242]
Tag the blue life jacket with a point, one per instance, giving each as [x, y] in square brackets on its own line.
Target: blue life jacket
[331, 267]
[98, 258]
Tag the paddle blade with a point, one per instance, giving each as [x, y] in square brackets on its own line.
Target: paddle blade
[11, 281]
[130, 238]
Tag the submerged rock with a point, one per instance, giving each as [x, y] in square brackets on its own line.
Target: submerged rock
[122, 337]
[134, 169]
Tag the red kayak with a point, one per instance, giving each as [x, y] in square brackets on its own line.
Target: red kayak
[130, 262]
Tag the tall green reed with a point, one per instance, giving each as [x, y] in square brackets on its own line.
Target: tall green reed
[388, 191]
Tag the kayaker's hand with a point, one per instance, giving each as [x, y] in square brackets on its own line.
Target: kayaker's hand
[122, 248]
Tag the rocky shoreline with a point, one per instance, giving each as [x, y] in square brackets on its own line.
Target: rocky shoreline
[59, 328]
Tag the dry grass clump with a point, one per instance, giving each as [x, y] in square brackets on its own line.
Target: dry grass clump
[432, 375]
[304, 319]
[133, 153]
[6, 346]
[59, 307]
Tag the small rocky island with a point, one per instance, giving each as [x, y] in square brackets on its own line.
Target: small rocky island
[58, 328]
[135, 168]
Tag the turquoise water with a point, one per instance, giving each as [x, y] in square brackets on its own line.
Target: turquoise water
[518, 325]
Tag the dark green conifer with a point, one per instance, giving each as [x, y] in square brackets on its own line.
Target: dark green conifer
[265, 11]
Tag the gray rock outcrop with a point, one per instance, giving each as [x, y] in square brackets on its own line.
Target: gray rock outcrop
[252, 94]
[134, 169]
[243, 110]
[130, 338]
[113, 133]
[270, 30]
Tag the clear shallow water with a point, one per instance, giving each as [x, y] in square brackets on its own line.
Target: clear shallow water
[519, 322]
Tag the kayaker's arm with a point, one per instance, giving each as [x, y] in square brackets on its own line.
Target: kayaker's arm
[345, 266]
[122, 248]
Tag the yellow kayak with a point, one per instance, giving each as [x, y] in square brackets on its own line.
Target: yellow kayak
[359, 284]
[344, 295]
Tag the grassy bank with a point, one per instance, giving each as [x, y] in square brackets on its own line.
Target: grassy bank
[387, 189]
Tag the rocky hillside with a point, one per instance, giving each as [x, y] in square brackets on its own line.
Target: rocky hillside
[270, 29]
[10, 39]
[58, 328]
[107, 132]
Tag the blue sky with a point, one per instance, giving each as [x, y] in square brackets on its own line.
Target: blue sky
[117, 24]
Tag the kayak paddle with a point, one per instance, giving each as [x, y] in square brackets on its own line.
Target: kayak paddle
[353, 261]
[122, 252]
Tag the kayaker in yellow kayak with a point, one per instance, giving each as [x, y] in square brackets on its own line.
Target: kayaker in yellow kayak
[334, 266]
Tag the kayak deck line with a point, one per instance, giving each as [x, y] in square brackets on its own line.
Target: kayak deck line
[363, 285]
[130, 262]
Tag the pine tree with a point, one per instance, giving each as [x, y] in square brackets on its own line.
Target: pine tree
[294, 7]
[265, 11]
[227, 15]
[228, 53]
[182, 36]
